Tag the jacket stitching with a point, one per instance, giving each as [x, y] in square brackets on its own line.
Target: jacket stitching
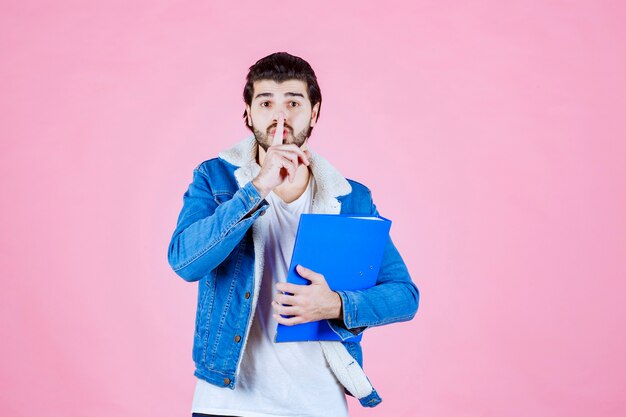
[212, 244]
[213, 288]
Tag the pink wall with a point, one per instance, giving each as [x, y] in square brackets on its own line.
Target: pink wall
[491, 132]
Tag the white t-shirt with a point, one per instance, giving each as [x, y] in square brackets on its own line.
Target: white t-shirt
[277, 379]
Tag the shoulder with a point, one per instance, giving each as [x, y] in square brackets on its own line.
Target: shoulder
[358, 200]
[208, 164]
[219, 174]
[215, 166]
[359, 189]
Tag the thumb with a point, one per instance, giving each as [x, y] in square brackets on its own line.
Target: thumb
[308, 273]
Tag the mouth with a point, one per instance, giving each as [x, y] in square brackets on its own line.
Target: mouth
[285, 132]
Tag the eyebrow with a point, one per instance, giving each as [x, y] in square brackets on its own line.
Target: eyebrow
[289, 94]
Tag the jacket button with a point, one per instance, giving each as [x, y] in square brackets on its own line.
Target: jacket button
[262, 213]
[251, 198]
[226, 381]
[237, 338]
[247, 294]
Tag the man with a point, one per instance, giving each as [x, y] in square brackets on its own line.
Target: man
[235, 236]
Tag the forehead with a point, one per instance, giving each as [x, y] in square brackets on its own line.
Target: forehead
[279, 89]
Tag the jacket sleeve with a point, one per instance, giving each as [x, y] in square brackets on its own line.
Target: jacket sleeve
[207, 231]
[394, 298]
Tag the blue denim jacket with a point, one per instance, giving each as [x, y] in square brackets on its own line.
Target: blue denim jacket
[216, 243]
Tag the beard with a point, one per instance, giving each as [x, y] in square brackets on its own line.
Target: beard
[265, 139]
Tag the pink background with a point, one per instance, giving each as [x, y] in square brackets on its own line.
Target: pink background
[491, 132]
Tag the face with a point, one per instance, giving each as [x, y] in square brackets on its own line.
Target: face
[269, 99]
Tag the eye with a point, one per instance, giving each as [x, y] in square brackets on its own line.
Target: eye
[294, 104]
[263, 104]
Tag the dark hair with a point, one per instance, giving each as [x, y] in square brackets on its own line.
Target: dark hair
[279, 67]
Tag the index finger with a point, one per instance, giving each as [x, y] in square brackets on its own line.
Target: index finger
[280, 127]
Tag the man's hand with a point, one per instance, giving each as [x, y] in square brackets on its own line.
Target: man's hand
[309, 302]
[281, 161]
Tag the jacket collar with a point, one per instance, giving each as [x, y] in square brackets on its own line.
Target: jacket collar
[330, 184]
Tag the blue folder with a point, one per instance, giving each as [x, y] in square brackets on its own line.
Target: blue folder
[347, 250]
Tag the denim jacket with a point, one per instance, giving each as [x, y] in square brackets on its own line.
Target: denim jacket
[217, 243]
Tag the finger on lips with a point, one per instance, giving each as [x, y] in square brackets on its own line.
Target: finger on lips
[280, 127]
[303, 154]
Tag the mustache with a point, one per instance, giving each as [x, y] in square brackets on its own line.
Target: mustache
[286, 127]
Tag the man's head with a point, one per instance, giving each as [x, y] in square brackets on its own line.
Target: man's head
[281, 82]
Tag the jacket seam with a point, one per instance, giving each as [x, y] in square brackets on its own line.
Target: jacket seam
[213, 288]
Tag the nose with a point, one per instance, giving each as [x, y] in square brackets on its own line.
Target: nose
[277, 114]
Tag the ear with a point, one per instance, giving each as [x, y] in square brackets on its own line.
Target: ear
[248, 117]
[314, 114]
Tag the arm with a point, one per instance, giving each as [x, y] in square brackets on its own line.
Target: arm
[394, 298]
[207, 232]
